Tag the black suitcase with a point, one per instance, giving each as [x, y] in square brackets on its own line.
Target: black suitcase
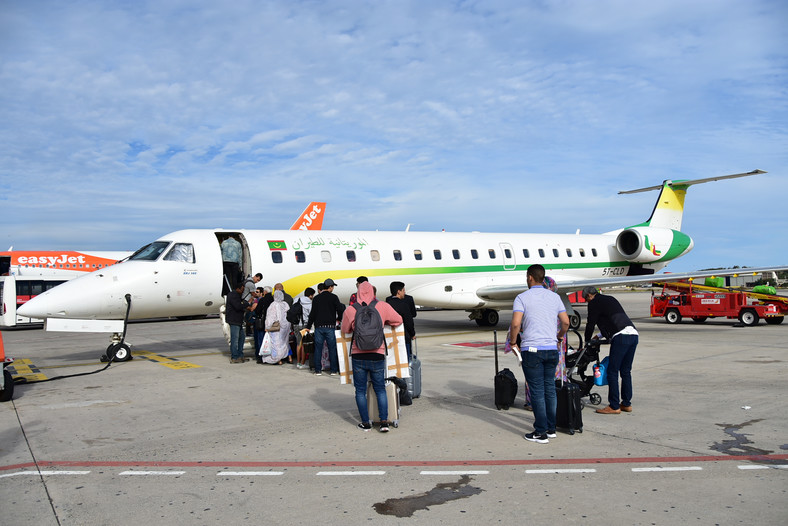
[568, 413]
[505, 383]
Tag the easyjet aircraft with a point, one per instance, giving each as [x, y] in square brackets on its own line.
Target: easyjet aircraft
[481, 273]
[69, 264]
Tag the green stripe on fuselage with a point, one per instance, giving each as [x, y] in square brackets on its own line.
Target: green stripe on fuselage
[303, 281]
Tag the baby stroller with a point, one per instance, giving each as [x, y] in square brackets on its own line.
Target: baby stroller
[578, 360]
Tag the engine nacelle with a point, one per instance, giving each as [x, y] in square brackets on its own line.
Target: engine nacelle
[649, 245]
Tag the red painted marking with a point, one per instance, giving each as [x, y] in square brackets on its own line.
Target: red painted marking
[396, 463]
[474, 344]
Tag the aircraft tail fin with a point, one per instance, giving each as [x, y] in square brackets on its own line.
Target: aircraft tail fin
[669, 207]
[311, 218]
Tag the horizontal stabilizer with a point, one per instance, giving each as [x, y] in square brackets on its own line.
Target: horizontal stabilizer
[692, 182]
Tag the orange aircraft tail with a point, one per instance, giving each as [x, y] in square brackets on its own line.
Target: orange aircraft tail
[311, 218]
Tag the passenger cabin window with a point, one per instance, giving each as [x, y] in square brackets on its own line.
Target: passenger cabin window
[437, 254]
[397, 255]
[375, 255]
[474, 253]
[569, 252]
[582, 252]
[351, 255]
[276, 256]
[593, 252]
[325, 255]
[555, 252]
[300, 256]
[541, 252]
[183, 252]
[526, 253]
[491, 252]
[455, 253]
[507, 253]
[150, 252]
[417, 255]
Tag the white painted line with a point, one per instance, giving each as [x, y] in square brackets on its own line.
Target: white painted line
[676, 468]
[249, 473]
[537, 471]
[330, 473]
[47, 473]
[750, 466]
[760, 466]
[152, 473]
[454, 473]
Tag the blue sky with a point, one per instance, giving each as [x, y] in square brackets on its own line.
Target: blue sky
[122, 121]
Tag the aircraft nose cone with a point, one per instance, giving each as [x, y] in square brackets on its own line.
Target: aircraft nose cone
[78, 298]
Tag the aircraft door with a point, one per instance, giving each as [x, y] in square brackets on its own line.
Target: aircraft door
[507, 252]
[236, 260]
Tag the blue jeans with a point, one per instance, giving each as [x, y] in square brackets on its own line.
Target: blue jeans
[539, 368]
[326, 334]
[237, 337]
[622, 353]
[376, 370]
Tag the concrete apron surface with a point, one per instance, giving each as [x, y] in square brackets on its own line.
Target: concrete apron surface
[707, 399]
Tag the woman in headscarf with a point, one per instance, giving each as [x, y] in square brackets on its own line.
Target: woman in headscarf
[277, 312]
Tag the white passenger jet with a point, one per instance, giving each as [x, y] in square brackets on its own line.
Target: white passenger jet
[481, 273]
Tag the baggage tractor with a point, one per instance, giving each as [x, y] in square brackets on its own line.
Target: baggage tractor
[504, 381]
[393, 400]
[414, 382]
[568, 413]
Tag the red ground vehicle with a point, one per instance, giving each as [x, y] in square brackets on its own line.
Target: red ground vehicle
[700, 302]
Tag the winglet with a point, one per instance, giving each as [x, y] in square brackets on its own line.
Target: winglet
[311, 218]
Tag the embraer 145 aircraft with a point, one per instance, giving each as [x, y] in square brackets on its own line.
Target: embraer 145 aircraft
[480, 273]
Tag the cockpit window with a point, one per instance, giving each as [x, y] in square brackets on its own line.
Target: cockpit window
[183, 252]
[150, 252]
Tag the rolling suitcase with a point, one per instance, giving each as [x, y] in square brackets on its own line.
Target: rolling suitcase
[569, 407]
[414, 382]
[504, 381]
[393, 400]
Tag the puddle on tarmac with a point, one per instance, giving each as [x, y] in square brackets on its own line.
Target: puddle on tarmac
[739, 443]
[440, 494]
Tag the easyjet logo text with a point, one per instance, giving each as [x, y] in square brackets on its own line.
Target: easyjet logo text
[310, 217]
[50, 260]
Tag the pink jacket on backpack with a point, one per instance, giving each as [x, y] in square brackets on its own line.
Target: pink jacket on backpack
[387, 313]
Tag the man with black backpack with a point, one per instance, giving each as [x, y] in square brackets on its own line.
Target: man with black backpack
[365, 319]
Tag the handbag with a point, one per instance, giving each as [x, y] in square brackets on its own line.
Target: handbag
[259, 324]
[274, 327]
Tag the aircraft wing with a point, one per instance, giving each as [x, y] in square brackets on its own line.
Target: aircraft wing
[505, 292]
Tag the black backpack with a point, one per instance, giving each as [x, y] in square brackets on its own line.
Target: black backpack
[368, 327]
[295, 313]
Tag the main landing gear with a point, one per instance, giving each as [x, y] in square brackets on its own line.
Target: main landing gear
[485, 317]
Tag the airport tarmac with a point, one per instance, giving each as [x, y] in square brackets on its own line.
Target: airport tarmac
[181, 436]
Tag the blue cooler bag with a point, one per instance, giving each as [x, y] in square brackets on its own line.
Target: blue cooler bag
[600, 372]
